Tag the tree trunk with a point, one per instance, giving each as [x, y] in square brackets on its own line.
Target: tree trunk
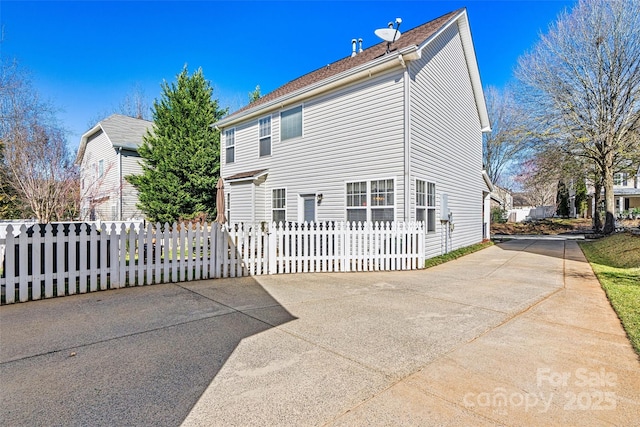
[610, 201]
[597, 196]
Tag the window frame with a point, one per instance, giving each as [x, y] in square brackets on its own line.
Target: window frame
[282, 208]
[430, 223]
[384, 195]
[283, 136]
[264, 137]
[359, 195]
[100, 168]
[230, 147]
[368, 194]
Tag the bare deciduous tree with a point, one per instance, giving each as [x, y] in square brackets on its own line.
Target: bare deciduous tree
[134, 104]
[36, 157]
[509, 133]
[582, 83]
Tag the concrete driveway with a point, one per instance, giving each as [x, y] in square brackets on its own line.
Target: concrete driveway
[517, 334]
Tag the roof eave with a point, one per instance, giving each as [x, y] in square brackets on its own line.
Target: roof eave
[378, 65]
[83, 143]
[487, 181]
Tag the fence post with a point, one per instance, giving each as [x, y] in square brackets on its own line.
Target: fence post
[114, 264]
[272, 247]
[9, 266]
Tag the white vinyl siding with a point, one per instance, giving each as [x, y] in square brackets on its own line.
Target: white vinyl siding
[446, 138]
[100, 175]
[349, 135]
[230, 144]
[291, 123]
[130, 166]
[265, 136]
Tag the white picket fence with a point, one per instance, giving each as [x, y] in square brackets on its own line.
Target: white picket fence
[43, 261]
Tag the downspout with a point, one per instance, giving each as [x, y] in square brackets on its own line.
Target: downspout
[253, 201]
[407, 140]
[120, 186]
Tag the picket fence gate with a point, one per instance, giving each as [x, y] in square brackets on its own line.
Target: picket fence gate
[43, 261]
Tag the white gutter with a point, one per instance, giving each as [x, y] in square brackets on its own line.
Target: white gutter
[377, 66]
[120, 179]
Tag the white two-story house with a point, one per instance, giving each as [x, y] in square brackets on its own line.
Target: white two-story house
[392, 133]
[626, 189]
[108, 152]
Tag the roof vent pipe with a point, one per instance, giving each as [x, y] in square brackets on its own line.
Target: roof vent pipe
[353, 47]
[360, 42]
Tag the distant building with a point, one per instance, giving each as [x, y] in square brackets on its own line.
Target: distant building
[108, 153]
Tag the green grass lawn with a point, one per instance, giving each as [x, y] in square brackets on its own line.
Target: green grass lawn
[441, 259]
[616, 262]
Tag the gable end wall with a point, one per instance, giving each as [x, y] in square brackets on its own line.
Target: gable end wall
[446, 140]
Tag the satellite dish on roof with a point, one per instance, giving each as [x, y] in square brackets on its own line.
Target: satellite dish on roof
[389, 34]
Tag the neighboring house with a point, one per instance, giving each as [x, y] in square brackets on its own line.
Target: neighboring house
[108, 153]
[501, 198]
[379, 136]
[626, 190]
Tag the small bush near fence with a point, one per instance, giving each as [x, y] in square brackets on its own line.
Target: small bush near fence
[441, 259]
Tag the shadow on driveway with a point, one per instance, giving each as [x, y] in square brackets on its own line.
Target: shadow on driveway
[135, 356]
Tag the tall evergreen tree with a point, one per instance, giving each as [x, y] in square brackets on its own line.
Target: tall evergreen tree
[181, 156]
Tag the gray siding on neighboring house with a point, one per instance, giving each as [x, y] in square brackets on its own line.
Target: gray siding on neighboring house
[352, 134]
[130, 166]
[446, 138]
[103, 190]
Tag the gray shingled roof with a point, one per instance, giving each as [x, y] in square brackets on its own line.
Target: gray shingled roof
[413, 37]
[124, 131]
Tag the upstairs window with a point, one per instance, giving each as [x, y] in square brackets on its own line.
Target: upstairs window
[100, 168]
[265, 136]
[279, 205]
[620, 178]
[230, 143]
[291, 123]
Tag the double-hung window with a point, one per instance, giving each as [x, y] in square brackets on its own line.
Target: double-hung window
[620, 178]
[291, 123]
[279, 205]
[357, 201]
[230, 143]
[371, 201]
[265, 136]
[421, 200]
[426, 204]
[100, 168]
[382, 200]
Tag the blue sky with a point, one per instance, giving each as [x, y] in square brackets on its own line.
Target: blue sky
[85, 56]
